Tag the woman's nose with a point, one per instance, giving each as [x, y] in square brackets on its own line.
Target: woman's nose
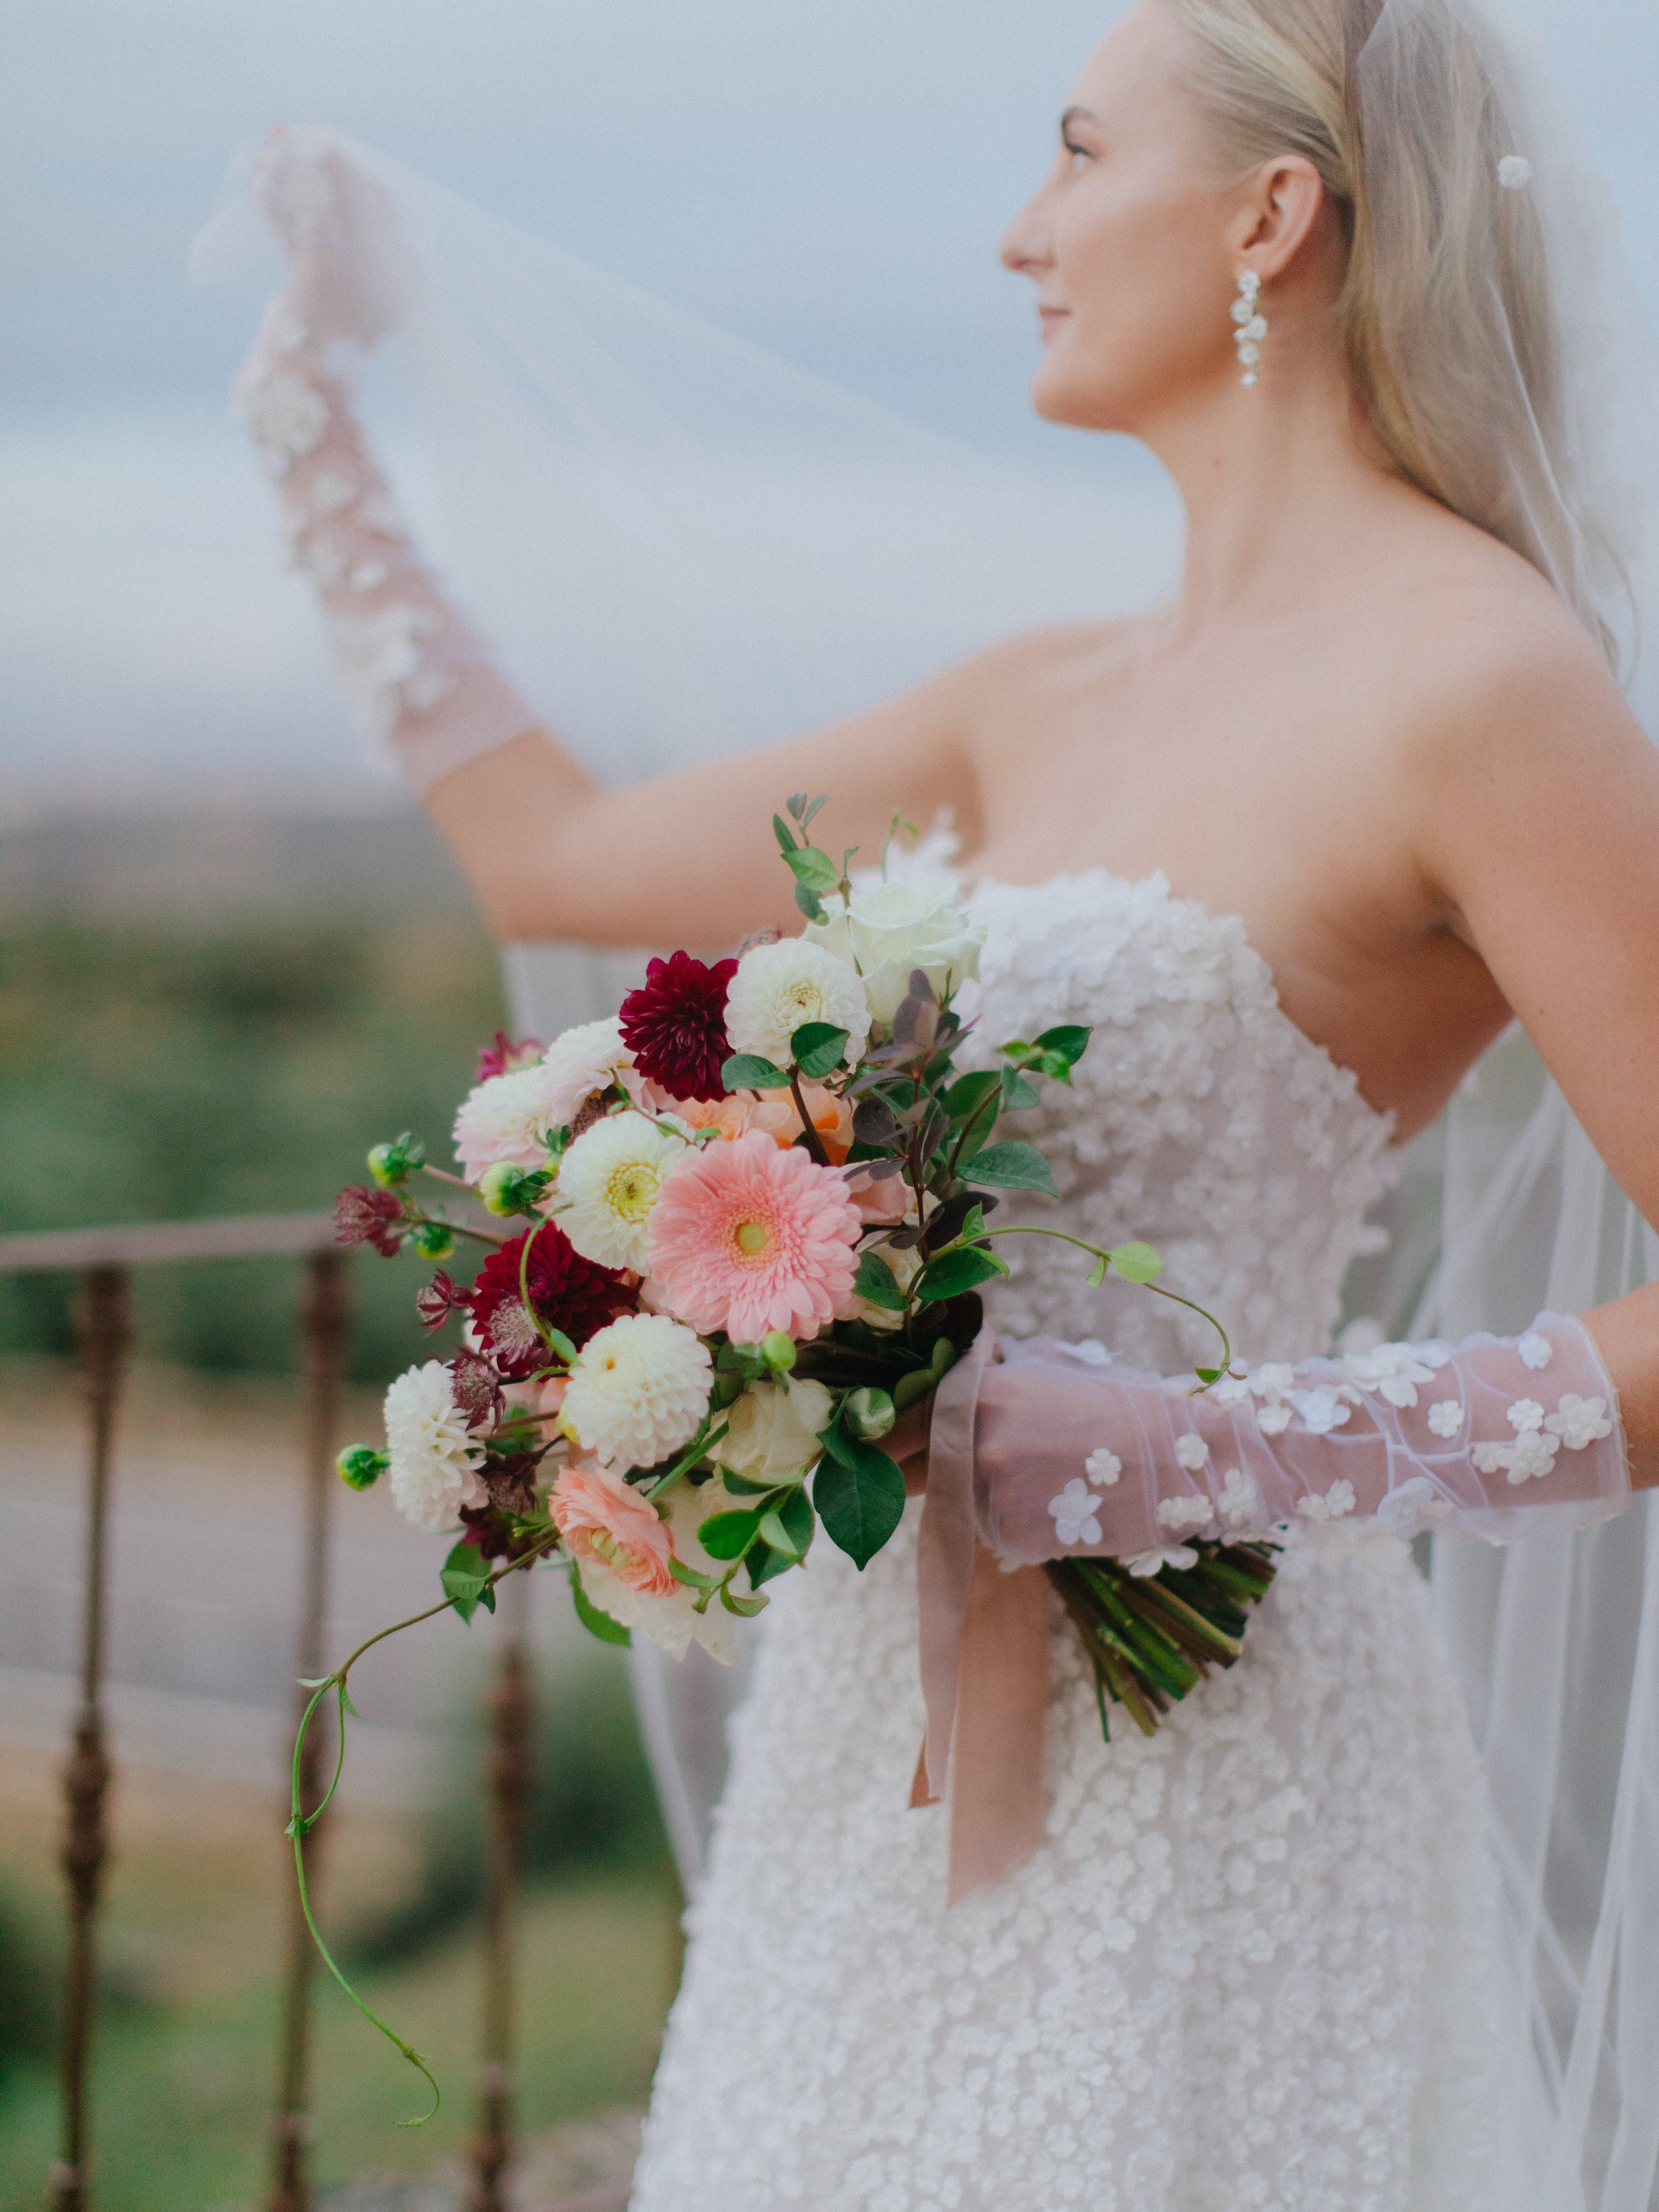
[1023, 248]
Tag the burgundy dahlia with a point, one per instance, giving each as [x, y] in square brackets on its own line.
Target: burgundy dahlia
[503, 1057]
[675, 1025]
[362, 1216]
[567, 1291]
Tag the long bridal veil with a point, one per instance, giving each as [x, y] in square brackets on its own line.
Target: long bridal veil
[682, 548]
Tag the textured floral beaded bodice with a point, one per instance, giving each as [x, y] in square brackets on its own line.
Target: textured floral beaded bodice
[1250, 1968]
[1200, 1119]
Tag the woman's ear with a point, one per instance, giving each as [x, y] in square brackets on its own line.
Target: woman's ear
[1281, 204]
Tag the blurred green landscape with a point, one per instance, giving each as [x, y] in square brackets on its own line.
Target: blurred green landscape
[193, 1022]
[221, 1017]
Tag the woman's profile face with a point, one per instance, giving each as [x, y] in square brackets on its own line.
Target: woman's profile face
[1126, 240]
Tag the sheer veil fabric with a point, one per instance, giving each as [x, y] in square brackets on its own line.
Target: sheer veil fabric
[682, 548]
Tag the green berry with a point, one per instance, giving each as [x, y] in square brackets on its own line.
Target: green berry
[392, 1165]
[360, 1466]
[432, 1240]
[778, 1351]
[506, 1189]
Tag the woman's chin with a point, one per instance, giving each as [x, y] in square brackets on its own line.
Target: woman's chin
[1058, 398]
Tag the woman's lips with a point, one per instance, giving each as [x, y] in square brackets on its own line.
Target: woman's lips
[1051, 319]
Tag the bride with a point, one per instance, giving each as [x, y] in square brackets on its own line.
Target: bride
[1299, 846]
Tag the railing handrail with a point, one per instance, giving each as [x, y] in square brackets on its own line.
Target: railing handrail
[149, 1244]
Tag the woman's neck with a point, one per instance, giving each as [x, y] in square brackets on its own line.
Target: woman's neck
[1275, 480]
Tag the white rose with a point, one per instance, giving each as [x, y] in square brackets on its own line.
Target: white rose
[772, 1431]
[887, 930]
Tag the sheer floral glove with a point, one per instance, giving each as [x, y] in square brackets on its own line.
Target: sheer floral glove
[1502, 1437]
[416, 670]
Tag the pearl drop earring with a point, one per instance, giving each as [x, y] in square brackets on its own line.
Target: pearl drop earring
[1250, 327]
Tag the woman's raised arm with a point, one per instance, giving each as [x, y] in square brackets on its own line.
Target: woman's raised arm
[550, 851]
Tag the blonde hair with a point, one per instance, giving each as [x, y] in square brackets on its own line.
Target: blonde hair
[1447, 307]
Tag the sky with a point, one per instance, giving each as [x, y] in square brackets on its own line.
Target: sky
[828, 182]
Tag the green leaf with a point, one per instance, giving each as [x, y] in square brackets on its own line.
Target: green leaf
[740, 1485]
[1209, 1374]
[970, 1092]
[596, 1621]
[783, 833]
[689, 1576]
[465, 1578]
[814, 868]
[956, 1271]
[809, 902]
[859, 1495]
[1136, 1263]
[1017, 1092]
[876, 1283]
[1068, 1040]
[788, 1528]
[817, 1047]
[728, 1536]
[796, 803]
[733, 1603]
[912, 1387]
[1097, 1274]
[747, 1071]
[762, 1563]
[1011, 1167]
[559, 1342]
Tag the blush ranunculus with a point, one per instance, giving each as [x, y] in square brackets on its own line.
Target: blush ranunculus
[747, 1238]
[601, 1518]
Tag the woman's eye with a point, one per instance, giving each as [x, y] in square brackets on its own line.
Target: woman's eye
[1075, 155]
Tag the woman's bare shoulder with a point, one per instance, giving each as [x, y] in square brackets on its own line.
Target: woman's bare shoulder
[1009, 679]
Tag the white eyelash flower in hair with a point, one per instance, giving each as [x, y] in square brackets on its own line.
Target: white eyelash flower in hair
[1515, 172]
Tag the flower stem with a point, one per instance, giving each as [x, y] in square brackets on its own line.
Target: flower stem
[814, 1142]
[301, 1823]
[1065, 1236]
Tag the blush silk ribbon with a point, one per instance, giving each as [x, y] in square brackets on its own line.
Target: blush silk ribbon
[982, 1636]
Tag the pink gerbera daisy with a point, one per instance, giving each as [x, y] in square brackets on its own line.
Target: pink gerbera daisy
[748, 1238]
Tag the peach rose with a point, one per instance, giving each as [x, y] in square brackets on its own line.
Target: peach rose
[601, 1518]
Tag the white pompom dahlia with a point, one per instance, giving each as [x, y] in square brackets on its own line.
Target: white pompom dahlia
[638, 1390]
[779, 987]
[435, 1458]
[580, 1062]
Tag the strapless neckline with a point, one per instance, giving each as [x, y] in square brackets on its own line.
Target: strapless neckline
[1231, 926]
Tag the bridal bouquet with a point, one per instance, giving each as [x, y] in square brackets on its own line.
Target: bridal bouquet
[755, 1210]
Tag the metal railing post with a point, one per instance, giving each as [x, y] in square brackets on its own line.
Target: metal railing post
[324, 1333]
[510, 1713]
[104, 1329]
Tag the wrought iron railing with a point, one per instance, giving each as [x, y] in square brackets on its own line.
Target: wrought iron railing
[104, 1260]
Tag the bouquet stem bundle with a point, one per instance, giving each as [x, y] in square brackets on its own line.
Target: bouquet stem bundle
[1151, 1638]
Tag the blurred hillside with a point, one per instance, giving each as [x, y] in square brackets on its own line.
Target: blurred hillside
[219, 1015]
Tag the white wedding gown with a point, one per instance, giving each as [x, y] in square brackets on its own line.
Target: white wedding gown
[1255, 1963]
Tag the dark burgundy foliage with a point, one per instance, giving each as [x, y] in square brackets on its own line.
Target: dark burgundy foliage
[508, 1479]
[477, 1389]
[675, 1025]
[441, 1299]
[567, 1291]
[489, 1531]
[362, 1216]
[502, 1054]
